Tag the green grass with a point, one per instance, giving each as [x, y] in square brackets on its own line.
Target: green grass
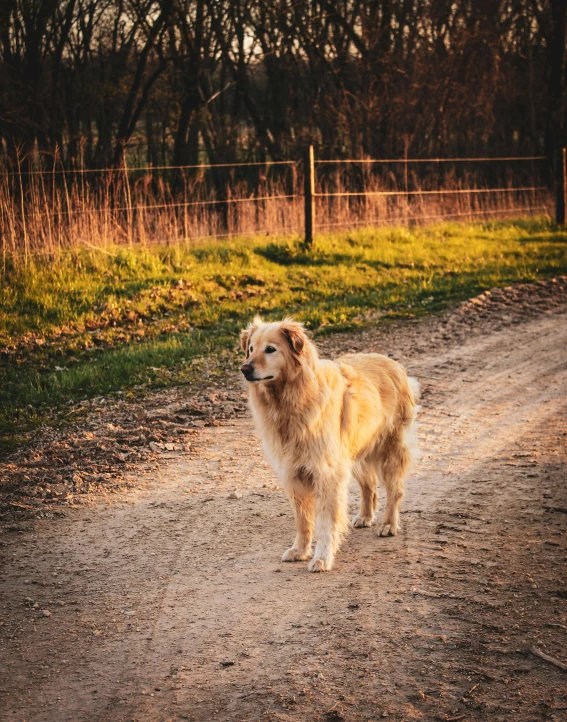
[92, 323]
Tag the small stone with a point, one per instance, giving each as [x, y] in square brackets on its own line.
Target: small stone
[45, 613]
[235, 495]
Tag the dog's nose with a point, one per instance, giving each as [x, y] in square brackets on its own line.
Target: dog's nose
[248, 370]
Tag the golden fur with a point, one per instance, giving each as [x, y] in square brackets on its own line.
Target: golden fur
[322, 422]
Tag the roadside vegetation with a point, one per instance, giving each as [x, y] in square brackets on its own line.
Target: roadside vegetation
[124, 320]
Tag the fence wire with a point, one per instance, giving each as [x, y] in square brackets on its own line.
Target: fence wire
[148, 169]
[155, 206]
[417, 219]
[427, 193]
[434, 160]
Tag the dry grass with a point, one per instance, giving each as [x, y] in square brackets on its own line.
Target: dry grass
[45, 214]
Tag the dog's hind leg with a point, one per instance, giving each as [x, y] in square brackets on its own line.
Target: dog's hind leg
[365, 474]
[395, 462]
[303, 504]
[331, 518]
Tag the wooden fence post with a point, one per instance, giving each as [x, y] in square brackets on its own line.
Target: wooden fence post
[309, 171]
[560, 185]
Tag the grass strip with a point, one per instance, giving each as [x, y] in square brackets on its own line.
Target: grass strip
[89, 324]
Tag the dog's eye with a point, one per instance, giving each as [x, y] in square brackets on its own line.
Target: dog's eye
[250, 349]
[270, 349]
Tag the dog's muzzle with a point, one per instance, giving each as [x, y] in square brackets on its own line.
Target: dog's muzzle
[248, 371]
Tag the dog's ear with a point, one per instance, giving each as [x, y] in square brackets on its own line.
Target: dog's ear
[247, 332]
[294, 334]
[244, 339]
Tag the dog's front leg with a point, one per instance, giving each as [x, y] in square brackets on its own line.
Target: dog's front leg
[331, 518]
[303, 504]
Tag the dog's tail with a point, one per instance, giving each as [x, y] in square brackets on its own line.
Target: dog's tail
[415, 388]
[410, 431]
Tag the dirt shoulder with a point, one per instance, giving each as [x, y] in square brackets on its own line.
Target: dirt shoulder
[169, 602]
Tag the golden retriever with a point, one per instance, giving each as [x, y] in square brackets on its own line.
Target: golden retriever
[322, 422]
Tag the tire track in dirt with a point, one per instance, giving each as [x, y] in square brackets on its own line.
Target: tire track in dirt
[185, 611]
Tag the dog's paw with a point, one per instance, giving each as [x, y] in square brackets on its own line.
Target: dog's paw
[359, 522]
[296, 555]
[388, 530]
[319, 565]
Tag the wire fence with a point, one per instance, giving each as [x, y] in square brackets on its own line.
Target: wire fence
[391, 191]
[45, 211]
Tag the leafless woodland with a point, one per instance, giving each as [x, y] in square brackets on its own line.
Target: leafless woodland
[177, 82]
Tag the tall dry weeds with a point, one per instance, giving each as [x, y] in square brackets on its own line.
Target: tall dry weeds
[48, 213]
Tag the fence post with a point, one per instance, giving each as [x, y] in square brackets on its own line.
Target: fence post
[309, 172]
[560, 185]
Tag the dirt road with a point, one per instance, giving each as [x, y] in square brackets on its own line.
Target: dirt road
[172, 604]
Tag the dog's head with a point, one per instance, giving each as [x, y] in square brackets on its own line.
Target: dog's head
[274, 351]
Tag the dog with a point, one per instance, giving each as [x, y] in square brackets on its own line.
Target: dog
[322, 422]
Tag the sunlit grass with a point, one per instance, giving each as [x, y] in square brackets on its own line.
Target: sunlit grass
[94, 323]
